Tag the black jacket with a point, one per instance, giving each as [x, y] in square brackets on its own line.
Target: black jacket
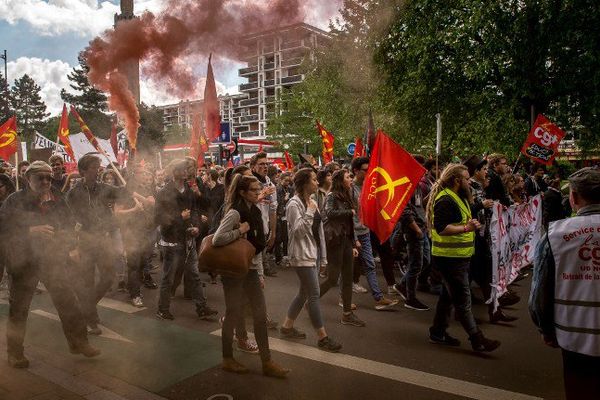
[21, 211]
[93, 206]
[170, 202]
[496, 190]
[338, 221]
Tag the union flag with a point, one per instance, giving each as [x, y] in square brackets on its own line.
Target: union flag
[8, 138]
[86, 130]
[328, 141]
[392, 177]
[63, 132]
[359, 148]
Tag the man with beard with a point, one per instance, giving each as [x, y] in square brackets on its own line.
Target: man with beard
[37, 223]
[453, 246]
[92, 203]
[498, 167]
[58, 171]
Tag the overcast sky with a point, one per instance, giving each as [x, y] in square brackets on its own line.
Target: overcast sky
[43, 38]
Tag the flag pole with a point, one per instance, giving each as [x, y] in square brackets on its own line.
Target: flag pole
[17, 167]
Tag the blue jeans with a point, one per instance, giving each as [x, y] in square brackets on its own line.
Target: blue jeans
[368, 262]
[455, 292]
[187, 258]
[418, 255]
[308, 293]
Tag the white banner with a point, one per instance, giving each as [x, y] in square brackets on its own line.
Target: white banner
[82, 146]
[42, 142]
[516, 232]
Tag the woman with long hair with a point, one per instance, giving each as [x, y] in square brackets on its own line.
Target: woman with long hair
[340, 239]
[307, 252]
[243, 219]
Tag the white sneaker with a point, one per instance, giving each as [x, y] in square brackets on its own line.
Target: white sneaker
[392, 291]
[357, 288]
[137, 302]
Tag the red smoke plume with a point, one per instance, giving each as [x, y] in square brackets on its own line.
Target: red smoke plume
[186, 27]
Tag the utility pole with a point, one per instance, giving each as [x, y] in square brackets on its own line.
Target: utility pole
[5, 58]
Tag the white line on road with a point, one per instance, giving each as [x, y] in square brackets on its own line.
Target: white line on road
[400, 374]
[119, 306]
[106, 333]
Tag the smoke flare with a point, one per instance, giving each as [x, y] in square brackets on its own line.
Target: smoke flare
[163, 41]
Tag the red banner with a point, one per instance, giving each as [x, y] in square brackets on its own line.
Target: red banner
[9, 141]
[328, 141]
[289, 161]
[392, 177]
[542, 143]
[63, 132]
[359, 148]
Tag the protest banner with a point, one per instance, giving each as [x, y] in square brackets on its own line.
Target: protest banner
[515, 232]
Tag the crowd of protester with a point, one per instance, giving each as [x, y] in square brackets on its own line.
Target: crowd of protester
[109, 224]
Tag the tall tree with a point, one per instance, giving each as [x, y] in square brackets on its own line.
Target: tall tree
[5, 109]
[151, 134]
[90, 102]
[28, 106]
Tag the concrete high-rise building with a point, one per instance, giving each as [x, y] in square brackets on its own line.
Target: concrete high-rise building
[131, 69]
[273, 59]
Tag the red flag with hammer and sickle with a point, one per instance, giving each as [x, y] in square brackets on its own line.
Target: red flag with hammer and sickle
[328, 140]
[8, 138]
[63, 132]
[86, 130]
[392, 177]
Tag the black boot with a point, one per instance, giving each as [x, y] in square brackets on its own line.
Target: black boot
[480, 343]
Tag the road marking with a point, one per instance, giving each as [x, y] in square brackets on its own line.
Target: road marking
[106, 333]
[394, 372]
[120, 306]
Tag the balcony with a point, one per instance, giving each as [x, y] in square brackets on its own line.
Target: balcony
[249, 134]
[292, 62]
[269, 66]
[248, 70]
[291, 79]
[248, 86]
[269, 82]
[270, 99]
[292, 45]
[249, 102]
[249, 118]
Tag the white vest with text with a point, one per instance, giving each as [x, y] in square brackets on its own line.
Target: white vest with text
[575, 244]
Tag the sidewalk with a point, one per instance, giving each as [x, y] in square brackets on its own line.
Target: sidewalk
[20, 384]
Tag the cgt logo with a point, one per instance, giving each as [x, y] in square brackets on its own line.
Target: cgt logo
[7, 138]
[590, 250]
[390, 187]
[546, 139]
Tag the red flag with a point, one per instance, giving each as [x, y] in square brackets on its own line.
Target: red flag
[328, 141]
[289, 162]
[212, 117]
[198, 143]
[260, 148]
[63, 132]
[542, 143]
[113, 138]
[391, 180]
[229, 163]
[86, 130]
[359, 149]
[8, 138]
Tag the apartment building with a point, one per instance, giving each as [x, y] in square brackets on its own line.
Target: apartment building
[273, 61]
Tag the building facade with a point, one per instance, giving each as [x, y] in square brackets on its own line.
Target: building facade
[273, 59]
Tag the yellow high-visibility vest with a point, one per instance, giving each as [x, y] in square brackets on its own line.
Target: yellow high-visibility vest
[457, 246]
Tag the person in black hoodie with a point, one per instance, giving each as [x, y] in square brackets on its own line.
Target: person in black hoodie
[176, 212]
[40, 228]
[6, 188]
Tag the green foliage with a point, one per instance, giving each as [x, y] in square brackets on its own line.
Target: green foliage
[90, 103]
[28, 106]
[151, 134]
[50, 129]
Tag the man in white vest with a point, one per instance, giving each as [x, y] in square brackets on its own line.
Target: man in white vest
[565, 293]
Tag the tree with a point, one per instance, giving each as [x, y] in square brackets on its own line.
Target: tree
[5, 106]
[487, 67]
[151, 136]
[89, 102]
[28, 106]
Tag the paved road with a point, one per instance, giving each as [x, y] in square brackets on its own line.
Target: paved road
[391, 358]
